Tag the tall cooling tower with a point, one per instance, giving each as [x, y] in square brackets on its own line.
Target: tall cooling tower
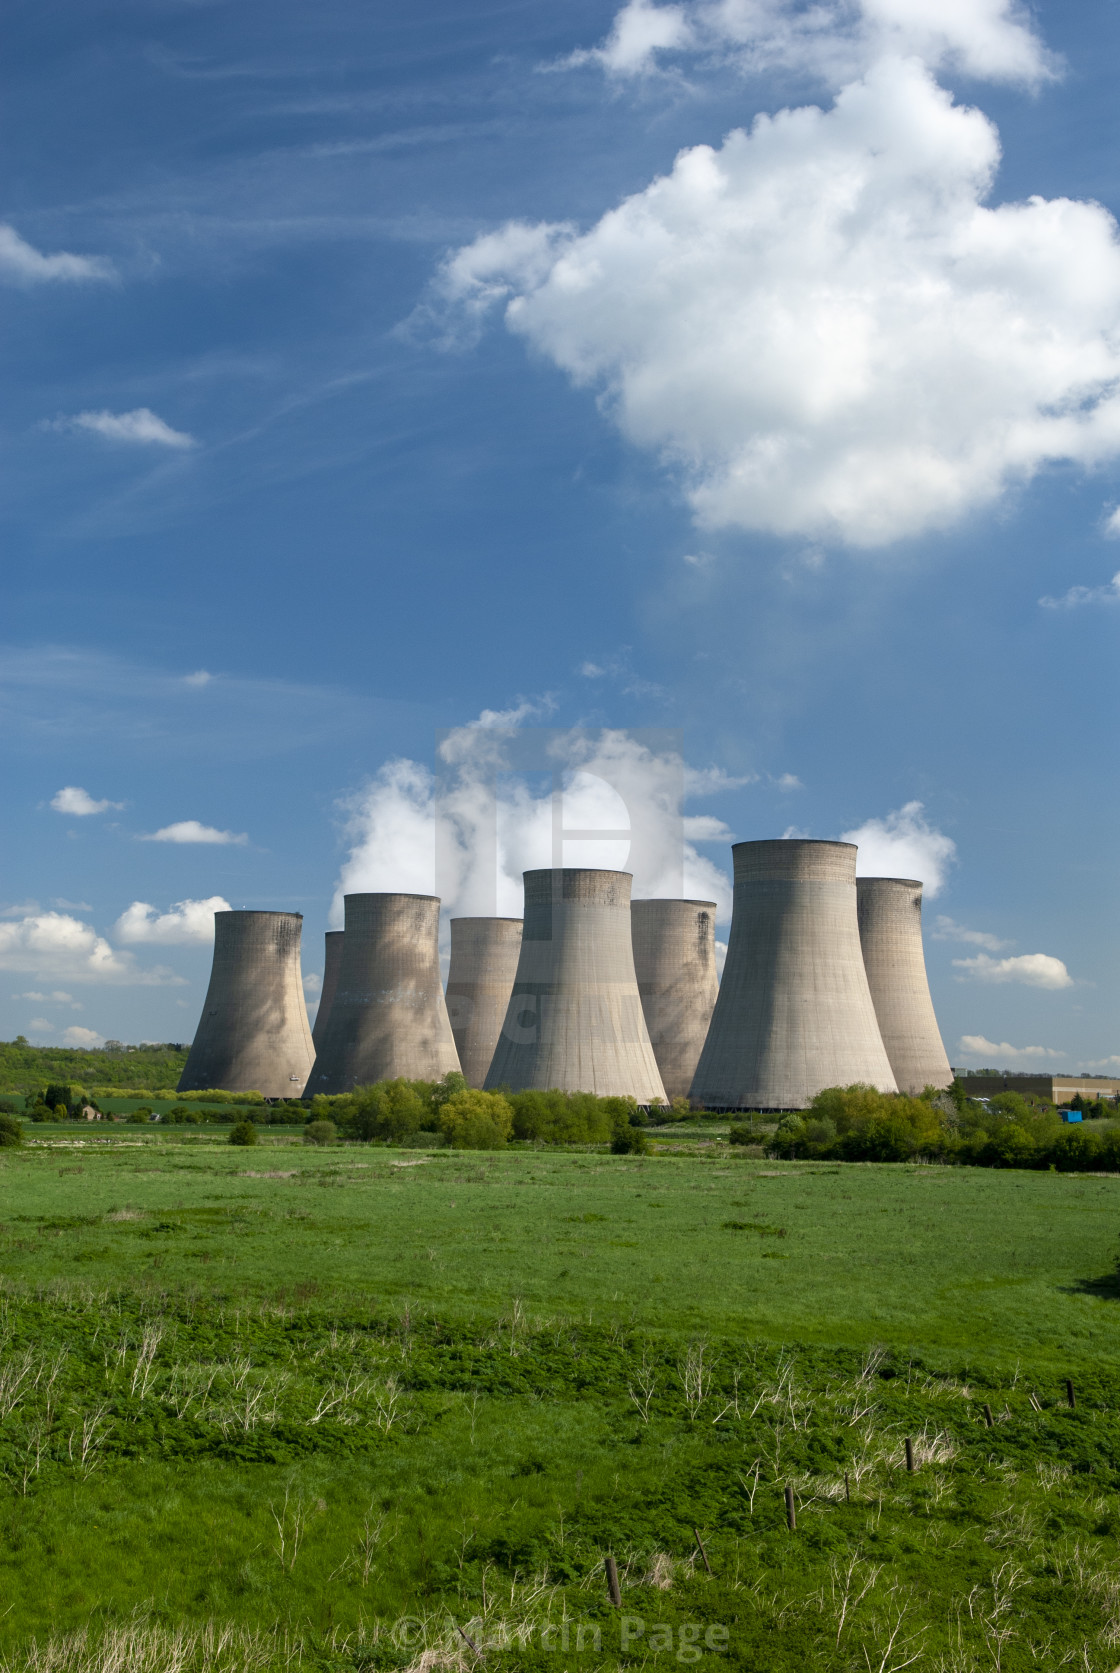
[331, 964]
[253, 1035]
[890, 928]
[389, 1017]
[575, 1021]
[675, 963]
[794, 1012]
[484, 954]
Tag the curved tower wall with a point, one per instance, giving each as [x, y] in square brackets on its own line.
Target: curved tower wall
[575, 1021]
[389, 1017]
[675, 964]
[890, 930]
[331, 963]
[794, 1012]
[484, 954]
[253, 1035]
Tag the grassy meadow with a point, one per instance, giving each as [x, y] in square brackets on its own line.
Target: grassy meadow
[359, 1408]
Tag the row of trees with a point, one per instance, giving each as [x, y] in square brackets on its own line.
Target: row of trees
[398, 1110]
[859, 1124]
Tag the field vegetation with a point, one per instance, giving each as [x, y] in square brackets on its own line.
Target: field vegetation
[348, 1407]
[25, 1068]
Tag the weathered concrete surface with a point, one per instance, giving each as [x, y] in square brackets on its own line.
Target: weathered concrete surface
[332, 963]
[890, 930]
[484, 954]
[389, 1017]
[794, 1012]
[253, 1035]
[575, 1020]
[675, 963]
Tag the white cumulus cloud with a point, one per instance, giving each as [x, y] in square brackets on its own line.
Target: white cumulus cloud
[87, 1038]
[71, 799]
[189, 922]
[141, 425]
[834, 39]
[823, 327]
[189, 830]
[1033, 970]
[22, 264]
[904, 844]
[974, 1046]
[56, 945]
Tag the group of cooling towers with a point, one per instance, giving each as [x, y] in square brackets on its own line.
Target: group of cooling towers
[824, 984]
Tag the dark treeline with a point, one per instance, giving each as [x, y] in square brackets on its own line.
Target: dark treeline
[25, 1068]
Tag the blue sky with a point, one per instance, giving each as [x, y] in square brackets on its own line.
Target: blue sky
[369, 368]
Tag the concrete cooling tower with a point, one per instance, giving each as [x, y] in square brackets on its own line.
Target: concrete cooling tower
[890, 929]
[331, 963]
[575, 1021]
[794, 1012]
[253, 1035]
[484, 954]
[675, 963]
[389, 1017]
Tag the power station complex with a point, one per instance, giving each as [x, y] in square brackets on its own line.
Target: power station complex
[824, 984]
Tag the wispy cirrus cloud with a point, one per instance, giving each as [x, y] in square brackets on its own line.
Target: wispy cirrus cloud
[22, 264]
[945, 929]
[1077, 596]
[140, 426]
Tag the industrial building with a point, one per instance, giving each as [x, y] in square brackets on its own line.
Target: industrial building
[575, 1020]
[253, 1035]
[332, 962]
[389, 1017]
[484, 955]
[794, 1012]
[1051, 1089]
[890, 933]
[675, 965]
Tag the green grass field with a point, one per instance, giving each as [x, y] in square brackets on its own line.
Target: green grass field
[353, 1408]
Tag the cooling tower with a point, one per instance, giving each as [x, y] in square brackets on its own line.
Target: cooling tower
[794, 1012]
[332, 961]
[484, 953]
[253, 1034]
[575, 1021]
[890, 929]
[675, 963]
[388, 1017]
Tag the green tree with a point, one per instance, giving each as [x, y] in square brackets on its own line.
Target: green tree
[320, 1132]
[11, 1132]
[473, 1120]
[243, 1132]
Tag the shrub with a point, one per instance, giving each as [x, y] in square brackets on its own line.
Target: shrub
[320, 1132]
[390, 1110]
[11, 1132]
[140, 1116]
[630, 1141]
[474, 1120]
[560, 1117]
[43, 1112]
[741, 1135]
[243, 1132]
[9, 1106]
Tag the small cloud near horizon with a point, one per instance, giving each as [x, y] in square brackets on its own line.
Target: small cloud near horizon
[190, 830]
[79, 803]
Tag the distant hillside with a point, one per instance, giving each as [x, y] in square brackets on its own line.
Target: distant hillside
[25, 1068]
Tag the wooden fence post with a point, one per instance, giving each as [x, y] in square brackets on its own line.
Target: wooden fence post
[791, 1511]
[909, 1456]
[613, 1586]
